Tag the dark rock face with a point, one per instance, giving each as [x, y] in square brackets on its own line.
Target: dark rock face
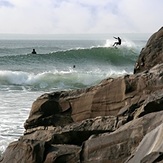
[119, 120]
[152, 54]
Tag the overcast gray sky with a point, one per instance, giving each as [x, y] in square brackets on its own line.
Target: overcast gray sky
[80, 16]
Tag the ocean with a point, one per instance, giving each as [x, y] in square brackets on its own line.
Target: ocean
[62, 62]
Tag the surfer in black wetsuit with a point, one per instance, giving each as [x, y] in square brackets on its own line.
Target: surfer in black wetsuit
[34, 52]
[118, 42]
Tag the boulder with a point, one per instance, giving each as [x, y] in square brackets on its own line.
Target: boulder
[48, 110]
[24, 151]
[32, 151]
[118, 146]
[151, 147]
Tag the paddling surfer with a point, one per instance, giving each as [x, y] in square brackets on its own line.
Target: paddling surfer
[117, 42]
[34, 51]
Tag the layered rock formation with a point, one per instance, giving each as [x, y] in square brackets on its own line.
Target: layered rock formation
[119, 120]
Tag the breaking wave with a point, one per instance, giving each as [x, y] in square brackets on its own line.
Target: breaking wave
[55, 70]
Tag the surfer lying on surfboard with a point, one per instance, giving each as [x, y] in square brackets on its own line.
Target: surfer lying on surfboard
[118, 42]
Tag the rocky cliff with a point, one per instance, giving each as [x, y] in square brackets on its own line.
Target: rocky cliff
[119, 120]
[151, 55]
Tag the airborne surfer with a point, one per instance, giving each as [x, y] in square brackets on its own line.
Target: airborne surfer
[117, 42]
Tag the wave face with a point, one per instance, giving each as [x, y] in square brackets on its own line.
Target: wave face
[66, 69]
[94, 54]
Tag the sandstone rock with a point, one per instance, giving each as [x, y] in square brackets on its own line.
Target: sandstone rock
[117, 146]
[62, 153]
[152, 54]
[47, 111]
[75, 133]
[32, 151]
[24, 151]
[151, 147]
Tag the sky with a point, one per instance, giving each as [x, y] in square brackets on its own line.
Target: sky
[80, 16]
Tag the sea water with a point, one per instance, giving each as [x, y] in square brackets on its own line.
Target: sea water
[62, 62]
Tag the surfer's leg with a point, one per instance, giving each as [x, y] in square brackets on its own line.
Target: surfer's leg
[115, 44]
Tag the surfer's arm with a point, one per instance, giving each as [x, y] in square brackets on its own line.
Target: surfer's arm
[115, 37]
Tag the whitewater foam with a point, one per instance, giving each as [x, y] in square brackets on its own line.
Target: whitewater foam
[125, 43]
[55, 79]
